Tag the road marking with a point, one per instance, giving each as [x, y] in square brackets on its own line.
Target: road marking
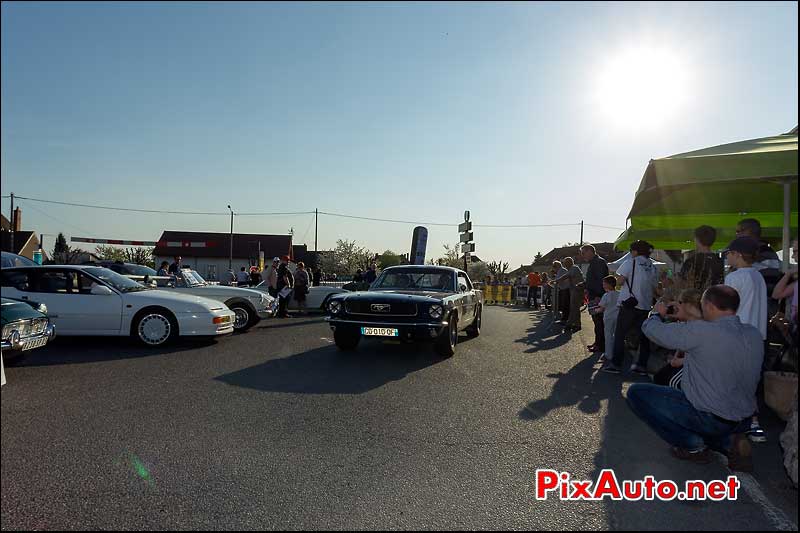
[777, 518]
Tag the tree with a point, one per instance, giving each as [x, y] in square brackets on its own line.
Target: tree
[497, 268]
[478, 271]
[139, 255]
[346, 258]
[63, 253]
[451, 258]
[388, 259]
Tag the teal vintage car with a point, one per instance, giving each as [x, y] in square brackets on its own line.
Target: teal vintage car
[25, 326]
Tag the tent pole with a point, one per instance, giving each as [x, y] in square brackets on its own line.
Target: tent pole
[787, 223]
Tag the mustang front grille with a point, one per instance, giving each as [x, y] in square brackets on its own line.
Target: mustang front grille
[378, 309]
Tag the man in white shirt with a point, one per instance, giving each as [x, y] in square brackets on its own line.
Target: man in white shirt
[752, 289]
[639, 278]
[748, 282]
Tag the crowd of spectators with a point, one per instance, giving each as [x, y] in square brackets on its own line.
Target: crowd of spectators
[718, 332]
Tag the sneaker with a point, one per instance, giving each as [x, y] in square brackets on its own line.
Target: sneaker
[611, 369]
[701, 457]
[602, 359]
[756, 434]
[740, 456]
[636, 369]
[592, 347]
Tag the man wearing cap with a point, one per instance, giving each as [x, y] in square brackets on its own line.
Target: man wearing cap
[752, 289]
[285, 281]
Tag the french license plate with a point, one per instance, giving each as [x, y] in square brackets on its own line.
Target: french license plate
[34, 343]
[380, 332]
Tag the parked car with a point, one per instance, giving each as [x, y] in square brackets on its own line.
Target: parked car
[89, 300]
[317, 297]
[250, 306]
[25, 326]
[409, 303]
[9, 260]
[126, 269]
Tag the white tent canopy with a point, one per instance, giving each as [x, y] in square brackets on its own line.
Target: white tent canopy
[612, 267]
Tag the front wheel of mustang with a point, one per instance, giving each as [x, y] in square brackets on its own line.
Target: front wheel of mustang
[446, 343]
[346, 340]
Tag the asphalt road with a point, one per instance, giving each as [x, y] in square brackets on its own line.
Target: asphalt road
[276, 429]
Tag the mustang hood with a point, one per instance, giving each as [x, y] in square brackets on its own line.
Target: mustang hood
[395, 296]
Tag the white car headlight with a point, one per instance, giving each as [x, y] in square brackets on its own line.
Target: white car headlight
[436, 311]
[7, 331]
[335, 307]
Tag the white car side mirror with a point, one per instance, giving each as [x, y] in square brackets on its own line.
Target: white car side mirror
[102, 290]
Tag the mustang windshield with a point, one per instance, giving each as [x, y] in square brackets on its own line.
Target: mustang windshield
[118, 281]
[419, 280]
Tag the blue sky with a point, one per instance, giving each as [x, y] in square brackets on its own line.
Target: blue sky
[402, 111]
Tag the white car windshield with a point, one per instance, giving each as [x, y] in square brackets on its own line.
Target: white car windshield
[118, 281]
[193, 279]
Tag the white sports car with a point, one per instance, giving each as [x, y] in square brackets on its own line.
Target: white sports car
[250, 306]
[317, 297]
[87, 300]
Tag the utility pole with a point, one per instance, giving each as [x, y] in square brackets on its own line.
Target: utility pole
[11, 219]
[581, 232]
[316, 228]
[230, 257]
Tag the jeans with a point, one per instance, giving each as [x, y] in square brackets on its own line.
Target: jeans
[532, 294]
[575, 302]
[283, 304]
[599, 331]
[674, 419]
[563, 303]
[627, 320]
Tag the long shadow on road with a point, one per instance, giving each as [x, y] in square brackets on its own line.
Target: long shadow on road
[634, 451]
[80, 350]
[545, 334]
[328, 371]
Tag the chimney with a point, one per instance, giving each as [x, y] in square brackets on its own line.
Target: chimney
[16, 224]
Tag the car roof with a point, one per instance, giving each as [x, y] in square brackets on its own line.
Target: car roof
[56, 267]
[424, 267]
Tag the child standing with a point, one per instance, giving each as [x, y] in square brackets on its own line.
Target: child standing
[608, 306]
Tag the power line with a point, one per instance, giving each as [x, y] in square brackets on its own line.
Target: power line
[159, 211]
[58, 220]
[385, 220]
[299, 213]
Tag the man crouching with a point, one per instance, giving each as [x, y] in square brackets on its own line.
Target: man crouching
[718, 392]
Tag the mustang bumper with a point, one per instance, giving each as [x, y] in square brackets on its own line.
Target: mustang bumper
[407, 331]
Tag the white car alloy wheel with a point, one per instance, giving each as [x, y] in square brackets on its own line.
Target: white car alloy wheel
[242, 318]
[154, 329]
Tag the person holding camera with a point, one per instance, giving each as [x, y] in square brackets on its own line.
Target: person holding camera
[639, 279]
[687, 309]
[713, 408]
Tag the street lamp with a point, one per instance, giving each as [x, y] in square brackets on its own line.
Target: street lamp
[230, 257]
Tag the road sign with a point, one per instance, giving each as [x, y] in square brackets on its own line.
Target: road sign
[419, 243]
[466, 237]
[466, 216]
[468, 248]
[466, 226]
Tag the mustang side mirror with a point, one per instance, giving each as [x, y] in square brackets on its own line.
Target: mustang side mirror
[102, 290]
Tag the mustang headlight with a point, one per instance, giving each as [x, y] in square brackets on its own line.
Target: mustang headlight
[7, 330]
[436, 311]
[335, 307]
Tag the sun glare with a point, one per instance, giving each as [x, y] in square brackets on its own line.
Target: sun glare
[644, 86]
